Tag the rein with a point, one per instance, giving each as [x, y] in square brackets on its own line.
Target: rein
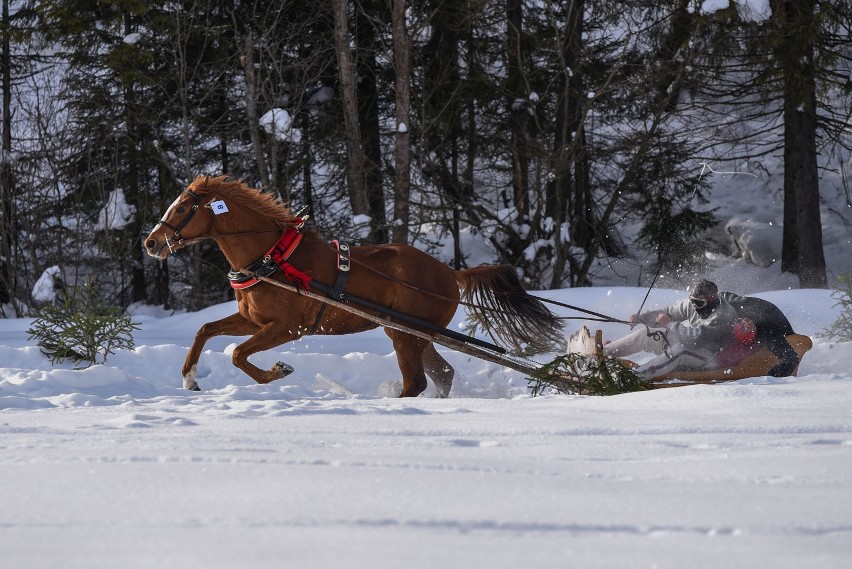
[207, 236]
[184, 242]
[599, 317]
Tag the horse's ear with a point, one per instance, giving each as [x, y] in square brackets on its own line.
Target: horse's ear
[196, 183]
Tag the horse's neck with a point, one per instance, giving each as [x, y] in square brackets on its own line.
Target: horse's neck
[243, 244]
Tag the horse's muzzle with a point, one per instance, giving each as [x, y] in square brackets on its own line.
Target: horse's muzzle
[157, 249]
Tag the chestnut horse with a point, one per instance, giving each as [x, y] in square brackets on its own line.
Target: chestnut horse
[250, 226]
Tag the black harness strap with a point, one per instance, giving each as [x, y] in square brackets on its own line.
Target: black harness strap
[264, 267]
[336, 293]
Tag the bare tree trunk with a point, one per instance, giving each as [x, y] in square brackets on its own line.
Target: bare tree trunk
[567, 148]
[441, 118]
[790, 233]
[355, 167]
[518, 115]
[583, 222]
[402, 67]
[8, 278]
[367, 14]
[138, 292]
[247, 61]
[167, 179]
[811, 266]
[160, 280]
[802, 247]
[470, 138]
[183, 79]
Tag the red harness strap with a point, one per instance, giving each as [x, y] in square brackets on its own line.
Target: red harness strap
[277, 257]
[285, 245]
[244, 284]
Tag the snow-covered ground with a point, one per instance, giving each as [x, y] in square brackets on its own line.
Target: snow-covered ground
[116, 466]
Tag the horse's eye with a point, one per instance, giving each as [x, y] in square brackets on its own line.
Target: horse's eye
[181, 209]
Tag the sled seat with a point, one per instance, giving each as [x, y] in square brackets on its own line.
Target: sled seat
[757, 364]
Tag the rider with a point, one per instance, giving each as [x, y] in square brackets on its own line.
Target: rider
[772, 329]
[686, 335]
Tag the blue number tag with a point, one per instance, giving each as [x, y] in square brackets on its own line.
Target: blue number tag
[218, 207]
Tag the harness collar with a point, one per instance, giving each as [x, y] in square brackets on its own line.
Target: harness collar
[275, 259]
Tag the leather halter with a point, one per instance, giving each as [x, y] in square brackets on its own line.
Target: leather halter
[176, 237]
[192, 210]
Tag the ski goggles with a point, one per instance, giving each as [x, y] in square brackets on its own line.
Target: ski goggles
[698, 302]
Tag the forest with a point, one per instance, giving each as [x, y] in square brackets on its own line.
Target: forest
[544, 126]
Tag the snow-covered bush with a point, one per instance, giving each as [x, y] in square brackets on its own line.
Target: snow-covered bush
[81, 326]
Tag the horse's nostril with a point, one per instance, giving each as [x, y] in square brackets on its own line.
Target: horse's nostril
[151, 243]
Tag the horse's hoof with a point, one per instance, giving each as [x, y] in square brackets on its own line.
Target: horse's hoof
[189, 382]
[283, 369]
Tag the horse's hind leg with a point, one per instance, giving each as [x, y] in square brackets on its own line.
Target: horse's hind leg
[233, 325]
[439, 370]
[409, 356]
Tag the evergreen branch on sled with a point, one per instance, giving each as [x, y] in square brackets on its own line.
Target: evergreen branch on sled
[577, 374]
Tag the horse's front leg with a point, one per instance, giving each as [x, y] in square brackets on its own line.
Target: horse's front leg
[268, 336]
[233, 325]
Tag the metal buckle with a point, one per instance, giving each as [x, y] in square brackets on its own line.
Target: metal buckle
[343, 257]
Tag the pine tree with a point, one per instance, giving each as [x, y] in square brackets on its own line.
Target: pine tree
[841, 329]
[108, 126]
[782, 69]
[82, 327]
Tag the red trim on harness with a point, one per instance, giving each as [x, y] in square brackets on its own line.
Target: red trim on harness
[244, 284]
[279, 253]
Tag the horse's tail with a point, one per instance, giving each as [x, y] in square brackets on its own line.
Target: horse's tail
[500, 304]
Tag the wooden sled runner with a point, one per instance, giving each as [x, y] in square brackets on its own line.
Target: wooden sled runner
[757, 364]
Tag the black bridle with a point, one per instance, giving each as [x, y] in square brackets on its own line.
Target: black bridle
[177, 238]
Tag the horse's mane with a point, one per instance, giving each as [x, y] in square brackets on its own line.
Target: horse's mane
[263, 203]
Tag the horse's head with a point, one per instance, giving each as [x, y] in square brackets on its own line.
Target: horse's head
[188, 219]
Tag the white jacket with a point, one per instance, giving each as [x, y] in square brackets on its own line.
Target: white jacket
[709, 328]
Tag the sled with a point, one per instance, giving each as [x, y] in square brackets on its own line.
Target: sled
[757, 364]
